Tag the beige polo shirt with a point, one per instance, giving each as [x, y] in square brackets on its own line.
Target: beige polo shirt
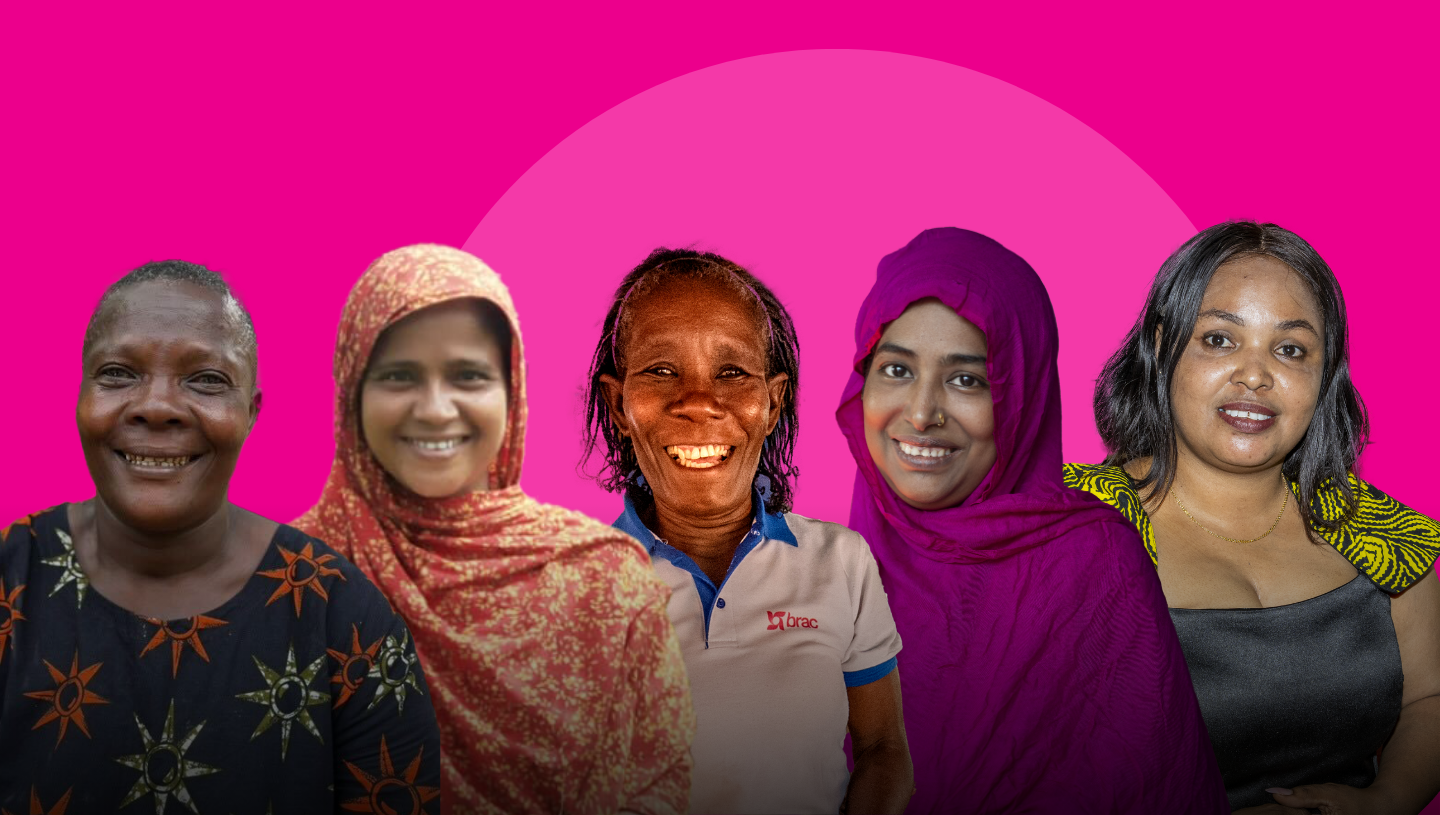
[800, 616]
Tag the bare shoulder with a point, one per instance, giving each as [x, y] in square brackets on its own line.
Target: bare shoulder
[1416, 614]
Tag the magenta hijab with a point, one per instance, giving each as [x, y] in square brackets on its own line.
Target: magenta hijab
[1040, 670]
[1022, 503]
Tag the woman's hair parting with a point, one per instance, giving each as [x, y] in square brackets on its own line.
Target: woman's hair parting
[1133, 409]
[621, 469]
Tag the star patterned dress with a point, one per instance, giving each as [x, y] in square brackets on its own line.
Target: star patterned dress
[301, 694]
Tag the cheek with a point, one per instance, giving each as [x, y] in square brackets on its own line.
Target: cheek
[380, 415]
[487, 412]
[879, 407]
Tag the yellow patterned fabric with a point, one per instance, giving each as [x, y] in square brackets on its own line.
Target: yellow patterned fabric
[1389, 542]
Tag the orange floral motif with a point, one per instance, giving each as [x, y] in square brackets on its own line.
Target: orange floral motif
[389, 787]
[300, 571]
[362, 657]
[36, 808]
[69, 697]
[179, 639]
[9, 614]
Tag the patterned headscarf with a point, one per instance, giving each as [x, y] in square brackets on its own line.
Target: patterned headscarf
[544, 635]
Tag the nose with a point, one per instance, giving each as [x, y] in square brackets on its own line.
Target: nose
[697, 399]
[923, 409]
[159, 403]
[1252, 369]
[436, 404]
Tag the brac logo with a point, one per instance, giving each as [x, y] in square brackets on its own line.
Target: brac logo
[780, 620]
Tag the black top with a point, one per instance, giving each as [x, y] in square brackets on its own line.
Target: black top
[1298, 694]
[301, 694]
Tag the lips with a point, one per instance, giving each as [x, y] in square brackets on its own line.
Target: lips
[923, 452]
[155, 461]
[435, 446]
[1247, 417]
[699, 456]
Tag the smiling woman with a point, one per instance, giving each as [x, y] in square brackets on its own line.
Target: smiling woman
[173, 630]
[1305, 599]
[784, 625]
[558, 682]
[1041, 673]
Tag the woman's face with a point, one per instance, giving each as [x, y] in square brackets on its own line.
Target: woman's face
[1247, 382]
[433, 404]
[930, 362]
[166, 402]
[695, 400]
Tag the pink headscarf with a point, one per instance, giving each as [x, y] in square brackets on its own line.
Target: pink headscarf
[1041, 672]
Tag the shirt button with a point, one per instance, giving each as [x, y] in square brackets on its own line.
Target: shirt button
[720, 603]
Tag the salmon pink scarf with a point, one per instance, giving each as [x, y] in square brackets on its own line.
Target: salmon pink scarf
[557, 679]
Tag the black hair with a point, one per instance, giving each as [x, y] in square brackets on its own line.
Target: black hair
[621, 469]
[1133, 409]
[179, 271]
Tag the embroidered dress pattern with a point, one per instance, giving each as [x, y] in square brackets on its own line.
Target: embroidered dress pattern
[1387, 541]
[103, 710]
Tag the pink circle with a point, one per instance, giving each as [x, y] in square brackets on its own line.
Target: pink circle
[807, 167]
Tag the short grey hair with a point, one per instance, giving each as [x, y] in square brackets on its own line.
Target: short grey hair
[179, 271]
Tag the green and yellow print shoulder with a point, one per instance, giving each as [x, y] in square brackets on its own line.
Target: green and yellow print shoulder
[1391, 543]
[1113, 486]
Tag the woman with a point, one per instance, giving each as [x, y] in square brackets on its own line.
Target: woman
[784, 626]
[558, 683]
[1305, 599]
[158, 643]
[1042, 674]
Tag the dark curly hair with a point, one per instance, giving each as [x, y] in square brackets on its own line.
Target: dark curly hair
[621, 469]
[1133, 409]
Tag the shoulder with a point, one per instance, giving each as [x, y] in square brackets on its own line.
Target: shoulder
[1394, 545]
[20, 536]
[1112, 485]
[834, 537]
[593, 560]
[303, 559]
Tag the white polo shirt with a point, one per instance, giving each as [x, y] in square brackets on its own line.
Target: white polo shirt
[800, 616]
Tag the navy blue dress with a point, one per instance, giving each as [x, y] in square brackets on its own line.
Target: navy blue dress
[301, 694]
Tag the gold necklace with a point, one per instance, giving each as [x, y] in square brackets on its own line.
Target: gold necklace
[1283, 504]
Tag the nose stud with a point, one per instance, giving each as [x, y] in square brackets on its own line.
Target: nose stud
[940, 420]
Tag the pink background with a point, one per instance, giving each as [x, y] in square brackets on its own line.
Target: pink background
[288, 147]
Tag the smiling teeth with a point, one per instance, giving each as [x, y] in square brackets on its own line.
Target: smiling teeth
[925, 452]
[446, 444]
[1245, 414]
[687, 455]
[146, 461]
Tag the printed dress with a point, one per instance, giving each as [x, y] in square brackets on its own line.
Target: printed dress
[301, 694]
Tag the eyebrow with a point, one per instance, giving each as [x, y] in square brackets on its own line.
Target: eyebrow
[1287, 325]
[949, 359]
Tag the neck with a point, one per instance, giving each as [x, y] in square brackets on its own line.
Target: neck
[1223, 494]
[708, 535]
[160, 556]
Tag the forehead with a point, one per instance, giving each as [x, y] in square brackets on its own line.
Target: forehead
[1262, 285]
[449, 329]
[688, 308]
[929, 327]
[167, 312]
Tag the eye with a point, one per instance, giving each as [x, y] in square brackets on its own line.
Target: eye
[966, 381]
[1292, 351]
[209, 378]
[894, 370]
[659, 370]
[473, 375]
[393, 375]
[1217, 340]
[114, 373]
[731, 372]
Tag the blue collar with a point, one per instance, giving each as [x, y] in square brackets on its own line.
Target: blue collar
[772, 525]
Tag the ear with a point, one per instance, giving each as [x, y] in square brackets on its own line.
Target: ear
[1159, 333]
[611, 389]
[255, 406]
[779, 388]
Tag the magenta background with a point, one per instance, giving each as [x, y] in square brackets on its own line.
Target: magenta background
[826, 160]
[289, 147]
